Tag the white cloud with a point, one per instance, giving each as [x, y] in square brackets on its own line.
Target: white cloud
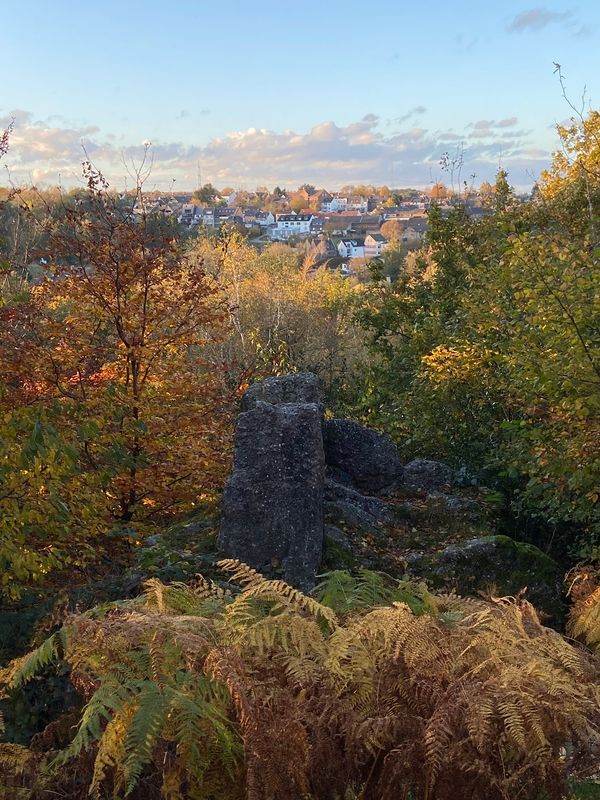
[327, 155]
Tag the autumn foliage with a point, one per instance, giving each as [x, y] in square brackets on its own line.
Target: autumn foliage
[372, 690]
[108, 351]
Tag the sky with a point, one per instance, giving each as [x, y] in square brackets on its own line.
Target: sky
[260, 92]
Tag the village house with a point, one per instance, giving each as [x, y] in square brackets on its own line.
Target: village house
[334, 205]
[366, 223]
[319, 198]
[356, 203]
[375, 244]
[414, 230]
[254, 217]
[352, 248]
[289, 225]
[167, 206]
[190, 215]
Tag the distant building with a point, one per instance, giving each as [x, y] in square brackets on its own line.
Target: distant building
[375, 244]
[190, 215]
[289, 225]
[334, 205]
[352, 248]
[366, 223]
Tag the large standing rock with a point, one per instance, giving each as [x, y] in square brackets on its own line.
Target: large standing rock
[369, 458]
[273, 501]
[494, 561]
[428, 475]
[301, 387]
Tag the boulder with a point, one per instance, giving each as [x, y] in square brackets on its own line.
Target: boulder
[369, 458]
[455, 503]
[301, 387]
[347, 507]
[273, 501]
[430, 476]
[337, 550]
[499, 562]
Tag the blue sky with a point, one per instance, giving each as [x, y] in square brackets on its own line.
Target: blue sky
[267, 92]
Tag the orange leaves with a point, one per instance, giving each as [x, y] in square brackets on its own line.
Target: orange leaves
[116, 333]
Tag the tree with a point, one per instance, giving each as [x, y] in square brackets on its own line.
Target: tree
[298, 203]
[206, 195]
[392, 229]
[113, 340]
[438, 191]
[284, 315]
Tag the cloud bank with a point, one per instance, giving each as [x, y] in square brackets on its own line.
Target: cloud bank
[47, 152]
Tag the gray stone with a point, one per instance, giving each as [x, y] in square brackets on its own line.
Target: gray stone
[273, 501]
[427, 475]
[369, 458]
[505, 564]
[455, 503]
[333, 535]
[337, 550]
[300, 387]
[376, 509]
[341, 512]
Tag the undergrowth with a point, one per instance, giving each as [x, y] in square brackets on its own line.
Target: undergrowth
[368, 689]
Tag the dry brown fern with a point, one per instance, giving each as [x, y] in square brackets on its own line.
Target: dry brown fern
[584, 619]
[268, 694]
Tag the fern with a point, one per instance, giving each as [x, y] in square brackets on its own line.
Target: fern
[346, 593]
[145, 725]
[372, 689]
[584, 622]
[50, 650]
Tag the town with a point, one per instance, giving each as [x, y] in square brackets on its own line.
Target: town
[349, 227]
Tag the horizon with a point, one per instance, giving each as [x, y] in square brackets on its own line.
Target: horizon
[330, 96]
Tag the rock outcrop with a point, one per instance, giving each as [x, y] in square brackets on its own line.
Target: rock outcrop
[273, 501]
[302, 497]
[349, 507]
[370, 459]
[426, 475]
[301, 387]
[494, 562]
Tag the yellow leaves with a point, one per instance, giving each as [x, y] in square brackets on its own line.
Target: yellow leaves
[579, 159]
[448, 365]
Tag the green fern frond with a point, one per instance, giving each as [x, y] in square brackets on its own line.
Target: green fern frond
[50, 650]
[283, 594]
[150, 709]
[108, 700]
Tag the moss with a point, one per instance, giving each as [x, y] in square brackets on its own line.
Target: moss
[496, 563]
[335, 556]
[180, 551]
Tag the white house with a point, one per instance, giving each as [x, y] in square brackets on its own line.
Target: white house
[375, 244]
[334, 205]
[289, 225]
[254, 217]
[352, 248]
[356, 203]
